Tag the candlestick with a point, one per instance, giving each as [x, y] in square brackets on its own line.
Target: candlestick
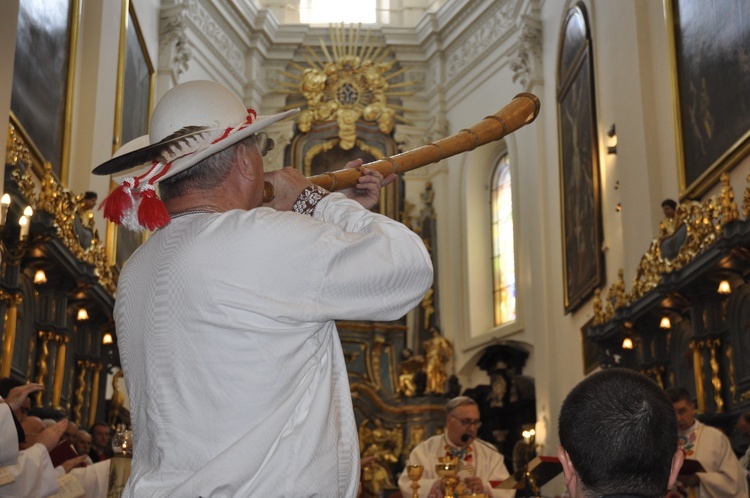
[23, 222]
[4, 205]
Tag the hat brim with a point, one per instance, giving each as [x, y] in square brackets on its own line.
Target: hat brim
[129, 160]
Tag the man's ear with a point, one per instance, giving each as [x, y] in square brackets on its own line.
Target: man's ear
[243, 163]
[569, 472]
[677, 460]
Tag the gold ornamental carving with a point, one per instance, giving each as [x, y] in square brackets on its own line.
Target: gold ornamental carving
[730, 362]
[63, 204]
[715, 380]
[351, 83]
[703, 222]
[41, 365]
[9, 331]
[57, 383]
[411, 365]
[438, 351]
[381, 449]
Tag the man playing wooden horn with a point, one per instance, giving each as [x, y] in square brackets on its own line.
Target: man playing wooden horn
[228, 309]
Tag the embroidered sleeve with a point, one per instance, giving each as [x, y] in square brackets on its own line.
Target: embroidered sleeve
[308, 199]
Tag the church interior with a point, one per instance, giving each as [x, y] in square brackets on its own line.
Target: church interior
[553, 253]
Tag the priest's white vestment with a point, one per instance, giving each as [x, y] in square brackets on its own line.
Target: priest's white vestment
[8, 437]
[723, 477]
[233, 365]
[487, 463]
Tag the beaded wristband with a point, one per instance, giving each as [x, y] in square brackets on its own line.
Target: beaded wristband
[308, 199]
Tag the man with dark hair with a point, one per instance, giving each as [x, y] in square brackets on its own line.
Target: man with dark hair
[101, 449]
[723, 475]
[669, 208]
[479, 463]
[618, 437]
[88, 202]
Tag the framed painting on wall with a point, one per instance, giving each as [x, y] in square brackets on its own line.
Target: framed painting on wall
[589, 349]
[583, 259]
[134, 101]
[43, 75]
[709, 52]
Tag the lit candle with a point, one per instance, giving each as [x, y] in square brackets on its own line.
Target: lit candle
[28, 212]
[4, 205]
[23, 222]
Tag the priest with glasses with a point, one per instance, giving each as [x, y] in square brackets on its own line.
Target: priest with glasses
[479, 463]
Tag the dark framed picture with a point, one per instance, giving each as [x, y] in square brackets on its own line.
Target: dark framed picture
[43, 70]
[589, 349]
[583, 259]
[711, 82]
[134, 98]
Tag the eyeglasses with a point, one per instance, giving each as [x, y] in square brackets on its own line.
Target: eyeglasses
[264, 142]
[467, 422]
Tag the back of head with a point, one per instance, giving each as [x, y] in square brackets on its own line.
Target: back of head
[620, 431]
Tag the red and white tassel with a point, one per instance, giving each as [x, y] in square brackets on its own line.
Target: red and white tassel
[152, 213]
[119, 201]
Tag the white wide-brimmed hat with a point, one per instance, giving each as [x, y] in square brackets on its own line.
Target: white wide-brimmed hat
[191, 122]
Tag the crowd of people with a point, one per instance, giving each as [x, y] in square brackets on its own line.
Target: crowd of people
[39, 457]
[620, 436]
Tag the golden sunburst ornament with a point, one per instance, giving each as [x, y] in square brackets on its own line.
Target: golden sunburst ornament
[351, 84]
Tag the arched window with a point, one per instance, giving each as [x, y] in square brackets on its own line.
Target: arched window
[503, 253]
[336, 11]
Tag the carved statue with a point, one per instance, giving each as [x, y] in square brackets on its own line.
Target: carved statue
[617, 297]
[381, 449]
[729, 210]
[598, 310]
[428, 307]
[438, 351]
[117, 400]
[410, 366]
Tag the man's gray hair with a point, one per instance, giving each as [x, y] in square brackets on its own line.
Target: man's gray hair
[459, 401]
[204, 175]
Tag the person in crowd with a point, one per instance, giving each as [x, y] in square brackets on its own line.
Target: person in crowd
[101, 447]
[232, 291]
[88, 202]
[480, 465]
[29, 471]
[71, 434]
[83, 446]
[668, 224]
[722, 474]
[618, 437]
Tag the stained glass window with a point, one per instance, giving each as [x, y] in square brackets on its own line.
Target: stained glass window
[503, 254]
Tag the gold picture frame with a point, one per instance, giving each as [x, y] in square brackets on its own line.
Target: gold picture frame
[134, 102]
[44, 81]
[710, 89]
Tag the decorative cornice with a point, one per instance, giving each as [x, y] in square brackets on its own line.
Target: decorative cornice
[493, 27]
[529, 51]
[214, 33]
[173, 42]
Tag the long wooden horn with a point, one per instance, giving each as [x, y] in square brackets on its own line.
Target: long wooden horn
[523, 109]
